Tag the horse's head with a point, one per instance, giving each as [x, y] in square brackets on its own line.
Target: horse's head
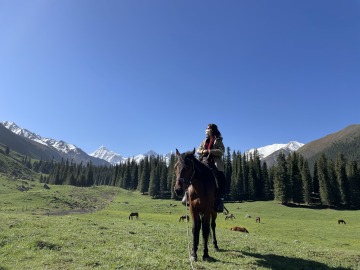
[184, 171]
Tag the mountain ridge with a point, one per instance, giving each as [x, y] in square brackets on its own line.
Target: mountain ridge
[72, 152]
[34, 146]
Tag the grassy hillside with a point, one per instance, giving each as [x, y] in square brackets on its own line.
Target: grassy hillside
[25, 146]
[58, 228]
[345, 141]
[10, 166]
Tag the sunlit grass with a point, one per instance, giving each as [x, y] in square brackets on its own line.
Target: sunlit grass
[40, 232]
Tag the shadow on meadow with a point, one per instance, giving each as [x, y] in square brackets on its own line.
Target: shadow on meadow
[277, 262]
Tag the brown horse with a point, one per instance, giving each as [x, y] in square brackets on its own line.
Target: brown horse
[230, 216]
[196, 177]
[134, 214]
[184, 217]
[239, 229]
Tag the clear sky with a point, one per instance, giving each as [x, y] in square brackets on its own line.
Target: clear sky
[147, 75]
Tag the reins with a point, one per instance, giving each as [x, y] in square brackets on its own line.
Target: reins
[187, 231]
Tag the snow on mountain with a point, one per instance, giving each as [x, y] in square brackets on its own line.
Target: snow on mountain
[114, 158]
[23, 132]
[268, 150]
[66, 150]
[58, 145]
[108, 155]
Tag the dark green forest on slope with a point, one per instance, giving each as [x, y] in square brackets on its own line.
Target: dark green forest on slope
[332, 182]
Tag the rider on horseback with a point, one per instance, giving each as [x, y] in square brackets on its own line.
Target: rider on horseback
[211, 151]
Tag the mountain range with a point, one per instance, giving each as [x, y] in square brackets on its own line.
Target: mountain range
[114, 158]
[48, 148]
[30, 144]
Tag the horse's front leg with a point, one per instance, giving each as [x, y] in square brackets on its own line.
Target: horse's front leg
[213, 226]
[205, 234]
[196, 226]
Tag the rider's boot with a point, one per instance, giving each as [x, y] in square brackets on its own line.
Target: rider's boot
[219, 204]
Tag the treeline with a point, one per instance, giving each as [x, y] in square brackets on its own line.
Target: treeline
[151, 175]
[331, 183]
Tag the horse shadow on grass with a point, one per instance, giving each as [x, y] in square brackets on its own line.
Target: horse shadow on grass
[281, 262]
[277, 262]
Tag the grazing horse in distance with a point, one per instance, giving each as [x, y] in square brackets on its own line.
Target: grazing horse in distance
[184, 217]
[134, 214]
[257, 219]
[341, 221]
[239, 229]
[197, 178]
[230, 216]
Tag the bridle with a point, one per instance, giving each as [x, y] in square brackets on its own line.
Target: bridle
[185, 183]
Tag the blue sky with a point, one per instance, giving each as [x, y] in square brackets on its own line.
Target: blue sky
[150, 75]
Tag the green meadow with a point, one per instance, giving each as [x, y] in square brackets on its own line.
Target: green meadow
[68, 227]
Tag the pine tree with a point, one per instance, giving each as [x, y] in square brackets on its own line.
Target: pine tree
[324, 182]
[236, 188]
[334, 194]
[126, 179]
[295, 178]
[258, 177]
[251, 179]
[154, 184]
[144, 175]
[353, 173]
[228, 170]
[163, 177]
[134, 175]
[266, 179]
[271, 174]
[306, 180]
[171, 176]
[343, 180]
[281, 180]
[245, 177]
[315, 180]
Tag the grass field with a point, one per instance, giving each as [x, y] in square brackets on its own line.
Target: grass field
[66, 227]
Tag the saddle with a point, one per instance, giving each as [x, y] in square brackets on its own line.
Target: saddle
[211, 165]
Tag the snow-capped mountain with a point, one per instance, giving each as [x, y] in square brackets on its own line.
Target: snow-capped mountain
[266, 151]
[58, 145]
[103, 155]
[108, 155]
[66, 150]
[114, 158]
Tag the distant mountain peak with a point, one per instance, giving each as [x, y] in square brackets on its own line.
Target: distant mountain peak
[114, 158]
[104, 153]
[270, 149]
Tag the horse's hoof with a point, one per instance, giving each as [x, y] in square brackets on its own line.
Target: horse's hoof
[206, 255]
[193, 258]
[208, 259]
[217, 249]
